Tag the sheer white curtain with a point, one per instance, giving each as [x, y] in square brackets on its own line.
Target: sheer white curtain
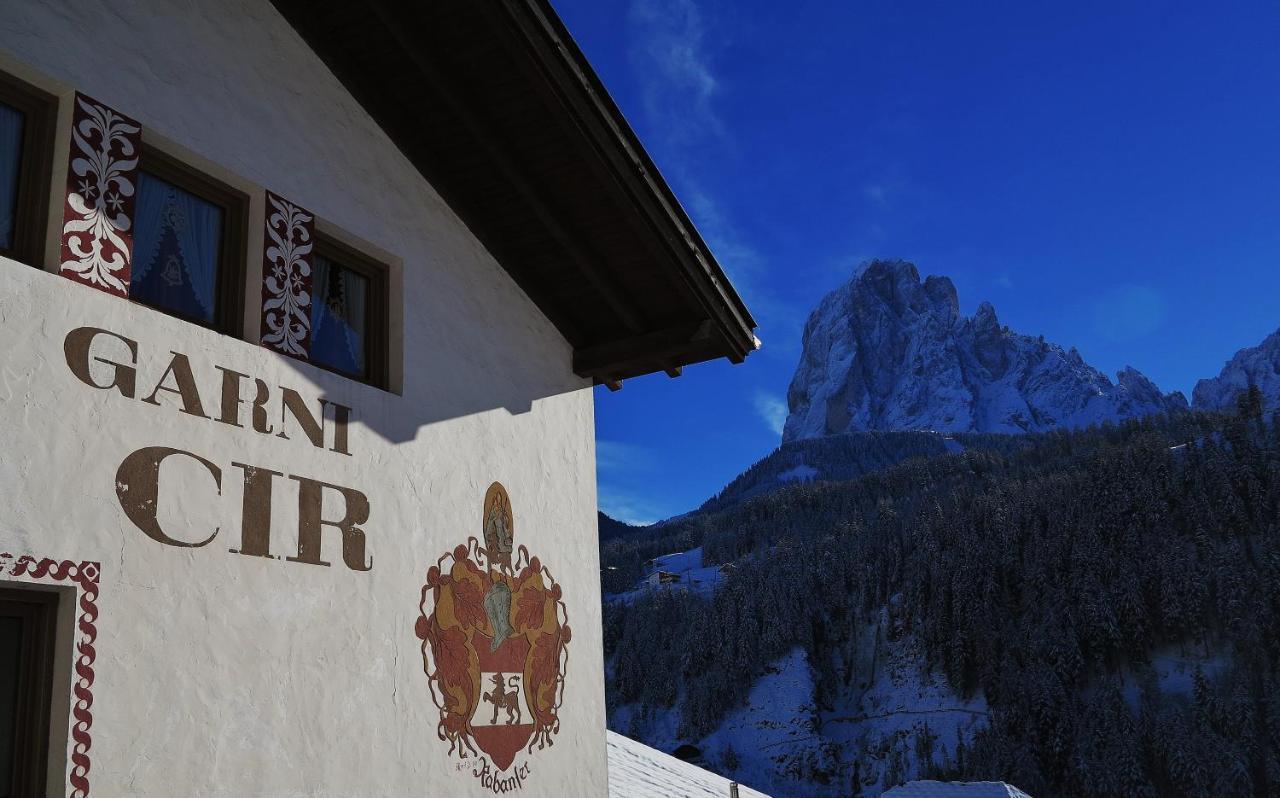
[357, 291]
[200, 238]
[337, 336]
[152, 197]
[172, 223]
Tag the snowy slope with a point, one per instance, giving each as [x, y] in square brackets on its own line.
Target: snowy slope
[970, 789]
[894, 701]
[688, 569]
[774, 735]
[638, 771]
[887, 351]
[869, 740]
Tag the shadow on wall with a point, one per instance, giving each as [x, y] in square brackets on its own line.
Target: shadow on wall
[449, 374]
[159, 361]
[437, 392]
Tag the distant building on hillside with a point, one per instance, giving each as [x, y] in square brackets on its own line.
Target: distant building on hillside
[658, 578]
[956, 789]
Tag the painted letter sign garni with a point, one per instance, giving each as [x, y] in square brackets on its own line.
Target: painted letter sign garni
[108, 362]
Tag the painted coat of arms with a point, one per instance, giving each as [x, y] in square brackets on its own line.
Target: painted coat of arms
[495, 638]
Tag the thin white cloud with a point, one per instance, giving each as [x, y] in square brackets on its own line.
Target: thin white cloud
[621, 468]
[669, 55]
[1003, 281]
[673, 66]
[772, 410]
[628, 508]
[615, 456]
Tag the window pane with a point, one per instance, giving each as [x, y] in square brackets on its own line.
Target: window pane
[10, 645]
[11, 123]
[339, 315]
[176, 241]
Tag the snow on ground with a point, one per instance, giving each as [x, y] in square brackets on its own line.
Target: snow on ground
[960, 789]
[686, 566]
[1173, 669]
[689, 570]
[679, 562]
[894, 700]
[865, 744]
[638, 771]
[774, 731]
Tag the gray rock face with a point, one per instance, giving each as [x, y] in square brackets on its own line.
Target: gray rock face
[1255, 365]
[887, 351]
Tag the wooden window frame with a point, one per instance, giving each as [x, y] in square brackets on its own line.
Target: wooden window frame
[35, 168]
[377, 334]
[38, 610]
[228, 315]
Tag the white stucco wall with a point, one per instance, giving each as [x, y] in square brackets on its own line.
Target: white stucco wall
[219, 674]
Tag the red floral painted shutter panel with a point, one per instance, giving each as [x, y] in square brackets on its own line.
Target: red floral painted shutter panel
[97, 223]
[286, 278]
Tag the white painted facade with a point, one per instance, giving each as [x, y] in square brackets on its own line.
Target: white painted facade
[218, 674]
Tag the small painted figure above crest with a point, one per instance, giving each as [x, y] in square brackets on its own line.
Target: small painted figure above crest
[499, 525]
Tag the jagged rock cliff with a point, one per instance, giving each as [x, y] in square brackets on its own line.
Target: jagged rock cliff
[1255, 365]
[887, 351]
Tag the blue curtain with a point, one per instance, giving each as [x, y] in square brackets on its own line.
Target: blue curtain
[11, 122]
[339, 307]
[176, 240]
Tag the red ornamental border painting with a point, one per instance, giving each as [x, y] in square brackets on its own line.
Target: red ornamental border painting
[495, 638]
[85, 576]
[102, 169]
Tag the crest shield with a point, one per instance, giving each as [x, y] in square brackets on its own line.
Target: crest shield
[502, 723]
[495, 638]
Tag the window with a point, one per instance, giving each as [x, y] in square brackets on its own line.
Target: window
[27, 121]
[27, 627]
[188, 244]
[348, 312]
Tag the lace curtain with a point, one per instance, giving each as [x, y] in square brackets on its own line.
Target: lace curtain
[176, 240]
[339, 304]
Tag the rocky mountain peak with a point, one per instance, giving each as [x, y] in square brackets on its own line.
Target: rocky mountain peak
[887, 351]
[1255, 365]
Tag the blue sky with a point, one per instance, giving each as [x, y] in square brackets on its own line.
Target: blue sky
[1106, 174]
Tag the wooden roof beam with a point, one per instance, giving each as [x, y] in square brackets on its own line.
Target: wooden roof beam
[605, 361]
[629, 171]
[496, 151]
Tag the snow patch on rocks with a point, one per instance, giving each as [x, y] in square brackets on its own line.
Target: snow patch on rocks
[888, 351]
[1255, 365]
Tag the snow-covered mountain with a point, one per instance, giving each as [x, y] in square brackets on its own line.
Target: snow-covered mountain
[1255, 365]
[887, 351]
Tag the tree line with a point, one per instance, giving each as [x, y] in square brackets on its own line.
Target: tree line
[1044, 573]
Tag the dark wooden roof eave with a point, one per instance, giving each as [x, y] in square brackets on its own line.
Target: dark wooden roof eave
[497, 107]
